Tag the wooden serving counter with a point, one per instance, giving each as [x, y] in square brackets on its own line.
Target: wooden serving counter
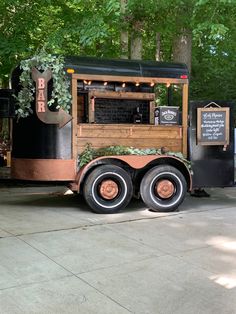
[135, 135]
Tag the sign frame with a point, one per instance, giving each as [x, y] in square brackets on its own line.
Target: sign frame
[200, 141]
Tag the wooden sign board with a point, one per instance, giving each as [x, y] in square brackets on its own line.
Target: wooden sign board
[213, 126]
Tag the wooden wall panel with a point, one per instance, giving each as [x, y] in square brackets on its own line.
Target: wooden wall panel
[140, 136]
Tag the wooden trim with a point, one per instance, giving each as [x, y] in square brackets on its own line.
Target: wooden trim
[136, 135]
[91, 107]
[227, 125]
[122, 95]
[131, 79]
[151, 112]
[74, 120]
[117, 95]
[133, 125]
[185, 119]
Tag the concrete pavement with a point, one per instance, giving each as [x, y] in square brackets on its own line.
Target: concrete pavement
[58, 257]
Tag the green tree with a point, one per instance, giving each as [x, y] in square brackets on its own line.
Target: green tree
[198, 32]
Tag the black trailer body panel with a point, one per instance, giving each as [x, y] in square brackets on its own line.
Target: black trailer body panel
[37, 140]
[134, 68]
[34, 139]
[212, 165]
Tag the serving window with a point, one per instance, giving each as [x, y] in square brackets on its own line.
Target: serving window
[118, 103]
[112, 103]
[120, 107]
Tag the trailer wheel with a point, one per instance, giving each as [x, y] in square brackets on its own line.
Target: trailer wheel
[108, 189]
[163, 188]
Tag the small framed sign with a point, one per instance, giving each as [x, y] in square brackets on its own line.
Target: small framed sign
[213, 126]
[169, 115]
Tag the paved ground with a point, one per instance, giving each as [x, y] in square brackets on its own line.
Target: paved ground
[58, 257]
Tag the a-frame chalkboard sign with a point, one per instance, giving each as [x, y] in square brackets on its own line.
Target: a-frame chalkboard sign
[213, 125]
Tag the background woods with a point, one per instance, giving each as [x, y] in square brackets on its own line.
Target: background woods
[201, 33]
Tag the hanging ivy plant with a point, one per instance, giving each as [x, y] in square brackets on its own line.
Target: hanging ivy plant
[61, 96]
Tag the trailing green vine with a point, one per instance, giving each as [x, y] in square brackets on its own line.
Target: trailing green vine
[61, 96]
[90, 153]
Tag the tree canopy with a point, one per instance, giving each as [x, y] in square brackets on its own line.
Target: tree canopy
[205, 29]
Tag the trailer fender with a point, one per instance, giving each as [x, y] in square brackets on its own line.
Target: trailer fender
[135, 162]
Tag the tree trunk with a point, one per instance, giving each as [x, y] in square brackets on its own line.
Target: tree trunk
[124, 39]
[158, 47]
[136, 41]
[124, 35]
[182, 48]
[4, 83]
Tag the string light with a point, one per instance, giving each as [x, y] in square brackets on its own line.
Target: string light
[168, 85]
[70, 71]
[105, 83]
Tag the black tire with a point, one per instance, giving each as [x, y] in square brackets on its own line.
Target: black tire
[174, 188]
[97, 179]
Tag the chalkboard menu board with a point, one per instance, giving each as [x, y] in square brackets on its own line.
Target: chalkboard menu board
[213, 126]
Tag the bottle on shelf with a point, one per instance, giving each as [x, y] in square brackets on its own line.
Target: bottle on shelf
[137, 118]
[157, 116]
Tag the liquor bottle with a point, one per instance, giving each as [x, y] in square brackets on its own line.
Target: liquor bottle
[137, 118]
[157, 116]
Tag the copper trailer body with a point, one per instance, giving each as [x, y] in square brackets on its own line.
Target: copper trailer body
[43, 169]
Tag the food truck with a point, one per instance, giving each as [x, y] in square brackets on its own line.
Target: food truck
[115, 106]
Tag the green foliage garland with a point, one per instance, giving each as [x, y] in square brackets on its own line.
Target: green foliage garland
[90, 153]
[61, 96]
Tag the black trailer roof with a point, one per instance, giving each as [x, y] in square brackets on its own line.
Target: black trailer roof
[135, 68]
